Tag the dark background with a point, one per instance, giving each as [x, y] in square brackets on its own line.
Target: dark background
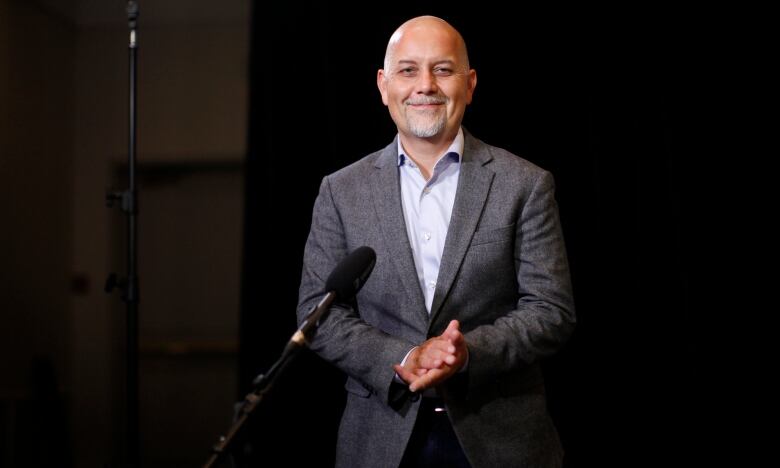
[638, 111]
[615, 103]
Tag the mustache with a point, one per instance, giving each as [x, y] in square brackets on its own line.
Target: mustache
[422, 100]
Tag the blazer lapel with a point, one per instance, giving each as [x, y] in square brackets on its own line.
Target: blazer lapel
[387, 202]
[473, 187]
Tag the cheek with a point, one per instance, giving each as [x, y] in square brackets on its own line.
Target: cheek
[393, 102]
[396, 110]
[458, 101]
[396, 97]
[398, 91]
[396, 105]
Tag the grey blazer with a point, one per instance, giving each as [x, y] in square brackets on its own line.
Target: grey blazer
[504, 275]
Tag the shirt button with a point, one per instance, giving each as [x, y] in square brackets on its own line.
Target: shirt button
[427, 190]
[431, 284]
[427, 236]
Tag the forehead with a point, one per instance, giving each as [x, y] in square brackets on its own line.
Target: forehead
[421, 43]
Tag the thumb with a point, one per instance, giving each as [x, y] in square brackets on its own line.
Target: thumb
[454, 325]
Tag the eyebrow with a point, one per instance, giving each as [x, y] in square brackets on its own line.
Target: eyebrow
[414, 62]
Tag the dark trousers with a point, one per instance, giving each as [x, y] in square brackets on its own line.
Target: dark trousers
[433, 443]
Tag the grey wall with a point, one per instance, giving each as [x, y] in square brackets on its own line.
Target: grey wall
[63, 130]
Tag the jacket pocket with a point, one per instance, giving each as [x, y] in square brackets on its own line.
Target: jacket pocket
[504, 233]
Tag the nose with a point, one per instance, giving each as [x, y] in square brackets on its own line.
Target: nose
[427, 83]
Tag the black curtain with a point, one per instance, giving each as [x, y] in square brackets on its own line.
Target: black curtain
[608, 101]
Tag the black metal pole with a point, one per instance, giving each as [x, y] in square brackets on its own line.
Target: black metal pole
[263, 384]
[133, 439]
[129, 285]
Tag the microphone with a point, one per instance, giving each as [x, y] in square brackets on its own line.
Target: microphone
[343, 283]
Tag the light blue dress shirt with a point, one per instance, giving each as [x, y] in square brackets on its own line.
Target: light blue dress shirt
[427, 207]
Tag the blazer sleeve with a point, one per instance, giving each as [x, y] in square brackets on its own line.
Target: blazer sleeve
[362, 351]
[544, 316]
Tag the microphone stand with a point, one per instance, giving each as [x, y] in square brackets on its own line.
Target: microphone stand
[129, 285]
[264, 383]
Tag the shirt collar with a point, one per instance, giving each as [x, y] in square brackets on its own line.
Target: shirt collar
[455, 150]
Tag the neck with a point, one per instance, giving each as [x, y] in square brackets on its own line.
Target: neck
[426, 151]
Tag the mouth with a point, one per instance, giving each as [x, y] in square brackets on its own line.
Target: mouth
[430, 103]
[424, 106]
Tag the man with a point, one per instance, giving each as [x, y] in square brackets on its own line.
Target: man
[471, 285]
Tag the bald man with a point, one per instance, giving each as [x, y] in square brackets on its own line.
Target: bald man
[471, 288]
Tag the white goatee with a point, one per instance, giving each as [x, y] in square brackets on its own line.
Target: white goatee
[425, 124]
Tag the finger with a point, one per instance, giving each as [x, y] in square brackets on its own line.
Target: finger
[406, 376]
[431, 378]
[431, 363]
[453, 325]
[455, 337]
[452, 347]
[423, 382]
[437, 348]
[432, 359]
[440, 343]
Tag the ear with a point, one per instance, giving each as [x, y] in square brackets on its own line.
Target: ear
[470, 85]
[381, 83]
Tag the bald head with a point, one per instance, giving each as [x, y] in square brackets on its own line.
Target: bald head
[429, 25]
[426, 83]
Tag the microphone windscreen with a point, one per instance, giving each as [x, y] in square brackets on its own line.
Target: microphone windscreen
[351, 273]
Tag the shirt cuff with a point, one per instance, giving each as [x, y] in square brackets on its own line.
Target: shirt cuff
[397, 378]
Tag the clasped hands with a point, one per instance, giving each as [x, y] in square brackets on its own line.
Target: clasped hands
[436, 360]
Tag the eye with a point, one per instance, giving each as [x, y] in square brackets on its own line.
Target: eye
[408, 71]
[443, 71]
